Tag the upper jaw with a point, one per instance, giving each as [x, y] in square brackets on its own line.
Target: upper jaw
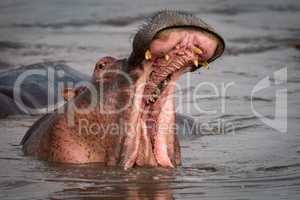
[169, 88]
[164, 86]
[167, 69]
[174, 52]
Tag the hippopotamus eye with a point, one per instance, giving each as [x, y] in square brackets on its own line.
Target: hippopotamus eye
[100, 65]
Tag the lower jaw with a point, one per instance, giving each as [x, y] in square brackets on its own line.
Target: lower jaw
[158, 145]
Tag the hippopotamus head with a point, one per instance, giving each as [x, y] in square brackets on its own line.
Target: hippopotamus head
[167, 45]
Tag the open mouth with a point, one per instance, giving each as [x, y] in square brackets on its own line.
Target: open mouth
[173, 52]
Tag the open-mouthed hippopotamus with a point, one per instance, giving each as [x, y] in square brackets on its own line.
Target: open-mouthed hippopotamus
[129, 118]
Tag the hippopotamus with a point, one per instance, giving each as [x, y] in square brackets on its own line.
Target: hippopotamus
[33, 91]
[127, 117]
[31, 83]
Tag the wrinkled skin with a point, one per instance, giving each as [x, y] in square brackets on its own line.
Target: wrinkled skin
[138, 114]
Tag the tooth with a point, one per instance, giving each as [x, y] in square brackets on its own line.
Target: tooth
[196, 63]
[197, 51]
[180, 53]
[165, 82]
[148, 55]
[155, 96]
[167, 57]
[157, 91]
[205, 65]
[151, 99]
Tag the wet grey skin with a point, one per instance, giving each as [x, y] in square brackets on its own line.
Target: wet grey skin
[38, 138]
[34, 88]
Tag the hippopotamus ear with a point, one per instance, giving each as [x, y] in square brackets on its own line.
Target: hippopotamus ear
[165, 20]
[104, 62]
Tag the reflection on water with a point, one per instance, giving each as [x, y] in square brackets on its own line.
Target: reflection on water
[214, 166]
[98, 182]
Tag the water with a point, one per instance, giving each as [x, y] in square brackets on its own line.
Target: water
[254, 161]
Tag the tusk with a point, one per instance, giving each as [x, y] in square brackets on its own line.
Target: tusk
[197, 50]
[148, 55]
[205, 65]
[196, 63]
